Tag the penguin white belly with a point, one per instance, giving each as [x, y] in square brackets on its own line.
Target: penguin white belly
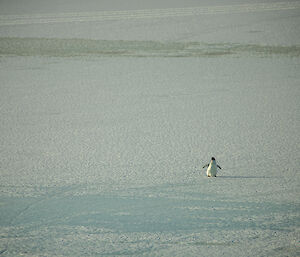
[211, 170]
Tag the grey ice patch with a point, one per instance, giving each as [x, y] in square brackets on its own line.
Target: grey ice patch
[117, 48]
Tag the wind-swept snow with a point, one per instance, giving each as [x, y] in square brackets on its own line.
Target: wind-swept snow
[6, 20]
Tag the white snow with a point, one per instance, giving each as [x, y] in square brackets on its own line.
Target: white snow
[106, 123]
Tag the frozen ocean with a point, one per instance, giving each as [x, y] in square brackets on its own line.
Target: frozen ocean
[110, 109]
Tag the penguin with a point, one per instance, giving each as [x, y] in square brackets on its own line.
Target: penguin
[212, 168]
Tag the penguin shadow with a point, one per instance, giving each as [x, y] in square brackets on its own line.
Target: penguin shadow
[221, 176]
[243, 177]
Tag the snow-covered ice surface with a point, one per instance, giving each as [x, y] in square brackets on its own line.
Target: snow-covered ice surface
[109, 111]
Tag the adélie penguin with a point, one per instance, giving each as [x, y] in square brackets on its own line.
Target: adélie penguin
[212, 168]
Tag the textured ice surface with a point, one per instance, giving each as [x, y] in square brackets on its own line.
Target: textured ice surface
[103, 140]
[102, 156]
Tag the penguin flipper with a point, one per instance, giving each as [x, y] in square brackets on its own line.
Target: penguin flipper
[219, 167]
[205, 166]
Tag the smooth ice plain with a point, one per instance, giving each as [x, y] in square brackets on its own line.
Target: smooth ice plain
[109, 111]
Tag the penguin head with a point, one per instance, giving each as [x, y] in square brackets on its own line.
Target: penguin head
[213, 158]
